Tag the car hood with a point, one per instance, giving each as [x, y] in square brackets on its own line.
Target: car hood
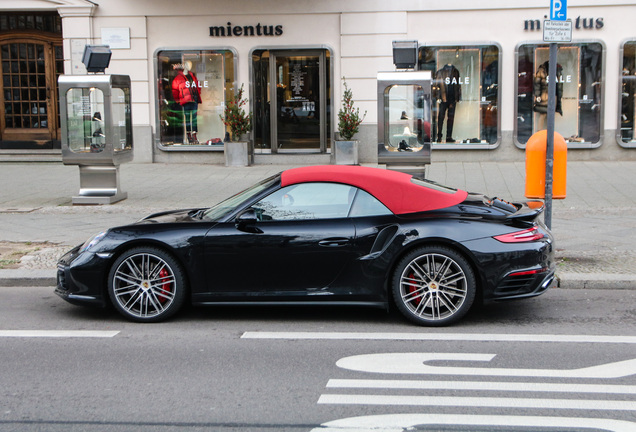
[173, 216]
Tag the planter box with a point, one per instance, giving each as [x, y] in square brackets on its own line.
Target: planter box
[238, 153]
[345, 152]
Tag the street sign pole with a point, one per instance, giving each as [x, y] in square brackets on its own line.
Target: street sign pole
[557, 29]
[549, 156]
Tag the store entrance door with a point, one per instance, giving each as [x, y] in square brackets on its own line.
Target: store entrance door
[28, 93]
[298, 116]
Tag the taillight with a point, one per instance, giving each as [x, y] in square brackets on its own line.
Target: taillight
[527, 235]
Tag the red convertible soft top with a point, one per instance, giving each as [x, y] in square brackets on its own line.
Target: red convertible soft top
[396, 190]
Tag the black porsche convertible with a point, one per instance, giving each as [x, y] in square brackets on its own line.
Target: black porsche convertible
[320, 235]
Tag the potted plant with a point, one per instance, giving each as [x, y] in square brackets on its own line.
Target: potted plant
[238, 151]
[345, 151]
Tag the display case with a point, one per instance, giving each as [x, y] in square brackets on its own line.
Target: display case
[96, 129]
[404, 120]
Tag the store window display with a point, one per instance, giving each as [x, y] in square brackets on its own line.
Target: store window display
[192, 95]
[627, 117]
[465, 94]
[578, 92]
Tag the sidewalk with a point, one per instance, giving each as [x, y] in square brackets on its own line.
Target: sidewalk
[594, 227]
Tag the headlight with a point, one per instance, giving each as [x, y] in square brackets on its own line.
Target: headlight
[92, 241]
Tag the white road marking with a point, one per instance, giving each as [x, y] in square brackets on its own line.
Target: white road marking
[404, 422]
[490, 402]
[474, 337]
[481, 386]
[415, 363]
[57, 334]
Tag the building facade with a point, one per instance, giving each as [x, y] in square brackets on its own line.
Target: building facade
[187, 59]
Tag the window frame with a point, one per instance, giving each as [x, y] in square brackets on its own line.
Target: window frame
[619, 137]
[469, 45]
[570, 145]
[157, 106]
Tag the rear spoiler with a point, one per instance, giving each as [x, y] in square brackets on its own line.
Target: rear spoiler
[527, 211]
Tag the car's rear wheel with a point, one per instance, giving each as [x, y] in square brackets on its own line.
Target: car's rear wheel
[146, 284]
[434, 286]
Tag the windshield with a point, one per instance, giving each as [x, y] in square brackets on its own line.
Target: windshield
[224, 207]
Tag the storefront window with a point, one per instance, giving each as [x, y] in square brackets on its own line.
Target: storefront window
[465, 94]
[578, 92]
[627, 96]
[193, 87]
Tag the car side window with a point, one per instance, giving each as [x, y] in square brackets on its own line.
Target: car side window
[307, 201]
[366, 204]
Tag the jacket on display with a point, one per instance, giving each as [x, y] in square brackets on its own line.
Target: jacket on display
[447, 87]
[185, 88]
[540, 89]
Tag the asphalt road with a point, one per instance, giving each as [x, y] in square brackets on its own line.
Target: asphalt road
[562, 362]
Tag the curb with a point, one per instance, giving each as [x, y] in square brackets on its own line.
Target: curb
[596, 280]
[28, 278]
[566, 280]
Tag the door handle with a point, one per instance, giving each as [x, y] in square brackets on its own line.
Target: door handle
[334, 242]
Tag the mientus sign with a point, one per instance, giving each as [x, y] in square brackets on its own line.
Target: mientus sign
[578, 23]
[246, 30]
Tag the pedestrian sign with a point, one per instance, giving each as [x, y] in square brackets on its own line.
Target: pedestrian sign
[558, 10]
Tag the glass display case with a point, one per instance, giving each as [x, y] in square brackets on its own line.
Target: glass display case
[96, 128]
[404, 120]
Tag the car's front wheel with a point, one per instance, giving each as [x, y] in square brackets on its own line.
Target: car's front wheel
[146, 284]
[434, 286]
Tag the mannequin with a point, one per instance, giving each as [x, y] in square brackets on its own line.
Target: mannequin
[540, 89]
[186, 91]
[447, 92]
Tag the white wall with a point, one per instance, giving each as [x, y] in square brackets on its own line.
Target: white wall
[358, 32]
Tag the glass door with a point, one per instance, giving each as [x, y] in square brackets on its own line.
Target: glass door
[298, 116]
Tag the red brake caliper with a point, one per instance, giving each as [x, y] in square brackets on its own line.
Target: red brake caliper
[165, 286]
[412, 289]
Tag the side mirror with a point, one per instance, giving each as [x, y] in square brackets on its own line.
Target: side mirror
[246, 219]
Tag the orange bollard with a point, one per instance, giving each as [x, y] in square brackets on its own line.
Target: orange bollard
[535, 165]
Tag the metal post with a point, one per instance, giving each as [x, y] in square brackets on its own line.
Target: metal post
[549, 156]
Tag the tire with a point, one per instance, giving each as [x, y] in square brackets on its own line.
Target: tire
[146, 284]
[434, 286]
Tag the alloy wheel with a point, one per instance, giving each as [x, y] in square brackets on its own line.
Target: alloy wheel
[435, 287]
[145, 286]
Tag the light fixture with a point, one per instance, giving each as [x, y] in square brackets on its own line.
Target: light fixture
[405, 54]
[96, 58]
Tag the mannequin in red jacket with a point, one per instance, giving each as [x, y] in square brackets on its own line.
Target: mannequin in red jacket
[186, 91]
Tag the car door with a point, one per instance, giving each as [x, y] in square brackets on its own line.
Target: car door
[298, 242]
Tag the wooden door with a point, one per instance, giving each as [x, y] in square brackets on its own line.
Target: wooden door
[28, 92]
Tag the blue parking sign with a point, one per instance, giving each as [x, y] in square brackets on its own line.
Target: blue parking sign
[558, 10]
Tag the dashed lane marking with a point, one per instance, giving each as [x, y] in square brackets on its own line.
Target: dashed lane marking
[473, 337]
[57, 334]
